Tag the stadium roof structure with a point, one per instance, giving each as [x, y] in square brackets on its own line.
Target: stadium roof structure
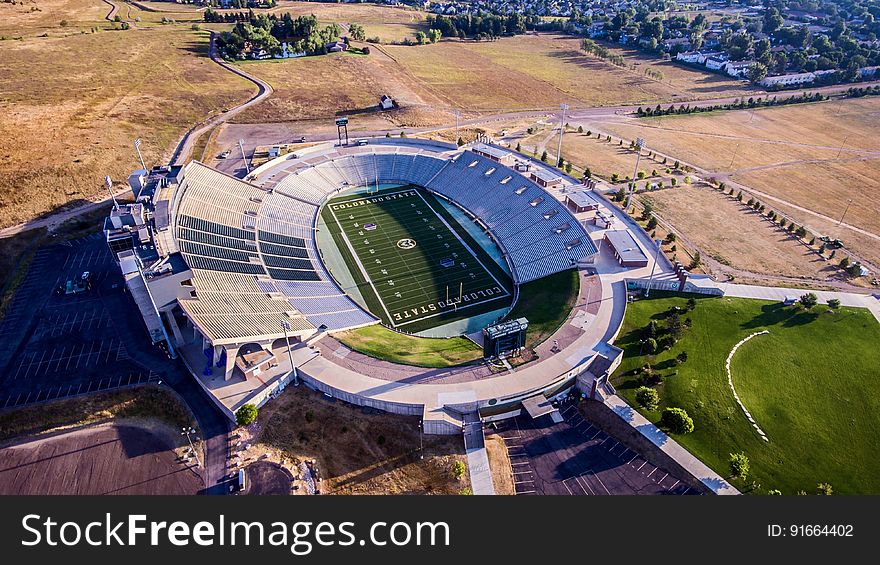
[582, 199]
[625, 246]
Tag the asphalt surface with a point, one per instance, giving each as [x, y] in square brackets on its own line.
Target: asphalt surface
[55, 346]
[574, 458]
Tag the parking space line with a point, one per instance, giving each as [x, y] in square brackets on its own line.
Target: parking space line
[585, 485]
[687, 490]
[600, 481]
[594, 436]
[642, 465]
[674, 485]
[633, 459]
[661, 480]
[652, 472]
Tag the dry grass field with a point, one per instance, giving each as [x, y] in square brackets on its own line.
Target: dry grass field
[360, 451]
[814, 156]
[542, 71]
[339, 83]
[70, 107]
[733, 236]
[29, 18]
[511, 74]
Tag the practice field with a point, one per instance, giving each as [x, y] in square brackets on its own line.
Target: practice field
[415, 266]
[811, 384]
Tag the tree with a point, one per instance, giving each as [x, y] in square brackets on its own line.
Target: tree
[544, 156]
[682, 357]
[651, 345]
[568, 168]
[757, 72]
[671, 237]
[774, 492]
[652, 223]
[677, 421]
[834, 304]
[458, 469]
[691, 304]
[518, 147]
[844, 263]
[246, 415]
[695, 262]
[808, 300]
[580, 129]
[356, 31]
[460, 142]
[421, 38]
[647, 397]
[825, 489]
[739, 465]
[588, 173]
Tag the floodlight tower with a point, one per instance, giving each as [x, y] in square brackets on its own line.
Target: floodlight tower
[137, 147]
[243, 156]
[285, 326]
[640, 143]
[109, 184]
[457, 120]
[564, 107]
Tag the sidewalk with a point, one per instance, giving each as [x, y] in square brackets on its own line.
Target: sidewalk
[670, 447]
[477, 457]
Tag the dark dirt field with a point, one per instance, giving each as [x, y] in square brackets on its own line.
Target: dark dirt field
[106, 459]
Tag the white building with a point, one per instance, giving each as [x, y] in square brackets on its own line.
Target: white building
[793, 79]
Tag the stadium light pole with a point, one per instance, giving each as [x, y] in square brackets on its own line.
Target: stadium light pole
[564, 107]
[109, 182]
[657, 242]
[285, 326]
[640, 143]
[137, 147]
[457, 118]
[188, 431]
[244, 158]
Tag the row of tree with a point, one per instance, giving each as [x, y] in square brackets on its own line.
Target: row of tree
[741, 104]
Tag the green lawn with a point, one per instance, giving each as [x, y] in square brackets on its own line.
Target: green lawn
[382, 343]
[812, 384]
[546, 303]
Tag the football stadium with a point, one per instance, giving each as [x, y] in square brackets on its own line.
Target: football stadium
[249, 280]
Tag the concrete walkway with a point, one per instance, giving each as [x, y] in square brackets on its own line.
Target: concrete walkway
[477, 457]
[669, 446]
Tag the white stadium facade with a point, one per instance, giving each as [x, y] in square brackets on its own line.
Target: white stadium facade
[228, 274]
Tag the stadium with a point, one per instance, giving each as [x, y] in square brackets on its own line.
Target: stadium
[422, 237]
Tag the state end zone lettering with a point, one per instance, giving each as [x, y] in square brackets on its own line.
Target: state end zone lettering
[421, 270]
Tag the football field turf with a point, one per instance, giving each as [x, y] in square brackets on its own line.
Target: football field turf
[415, 266]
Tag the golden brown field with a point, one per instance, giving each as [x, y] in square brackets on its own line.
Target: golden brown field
[70, 107]
[815, 157]
[727, 232]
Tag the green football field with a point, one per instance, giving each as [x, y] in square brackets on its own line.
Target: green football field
[415, 265]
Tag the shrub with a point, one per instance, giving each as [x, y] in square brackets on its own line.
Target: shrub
[458, 469]
[739, 465]
[691, 304]
[834, 303]
[647, 397]
[808, 300]
[825, 489]
[774, 492]
[682, 357]
[246, 415]
[651, 345]
[677, 421]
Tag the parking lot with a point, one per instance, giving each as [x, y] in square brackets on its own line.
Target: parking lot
[56, 345]
[574, 457]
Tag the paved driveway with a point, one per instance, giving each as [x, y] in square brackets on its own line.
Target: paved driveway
[576, 458]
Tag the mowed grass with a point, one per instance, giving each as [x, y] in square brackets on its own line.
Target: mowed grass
[546, 303]
[380, 342]
[811, 384]
[70, 108]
